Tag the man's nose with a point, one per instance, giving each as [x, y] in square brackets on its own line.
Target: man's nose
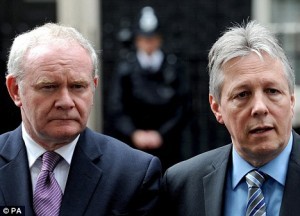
[64, 100]
[259, 105]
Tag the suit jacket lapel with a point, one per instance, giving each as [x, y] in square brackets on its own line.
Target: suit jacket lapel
[15, 180]
[214, 184]
[83, 177]
[291, 197]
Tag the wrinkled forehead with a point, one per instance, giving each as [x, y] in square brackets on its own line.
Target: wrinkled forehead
[53, 57]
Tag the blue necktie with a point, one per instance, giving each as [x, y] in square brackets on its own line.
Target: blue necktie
[256, 203]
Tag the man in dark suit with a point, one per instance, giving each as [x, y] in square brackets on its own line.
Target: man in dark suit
[53, 161]
[252, 93]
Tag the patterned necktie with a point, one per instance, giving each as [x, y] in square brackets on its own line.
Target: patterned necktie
[47, 195]
[256, 203]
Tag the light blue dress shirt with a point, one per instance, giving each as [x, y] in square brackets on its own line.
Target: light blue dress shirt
[237, 190]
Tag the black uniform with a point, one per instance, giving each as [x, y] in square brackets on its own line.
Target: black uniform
[143, 99]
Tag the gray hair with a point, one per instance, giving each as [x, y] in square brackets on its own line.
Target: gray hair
[239, 41]
[47, 33]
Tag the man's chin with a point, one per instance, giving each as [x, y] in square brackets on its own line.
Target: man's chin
[65, 133]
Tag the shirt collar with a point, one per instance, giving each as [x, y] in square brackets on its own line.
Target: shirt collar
[34, 150]
[277, 168]
[153, 61]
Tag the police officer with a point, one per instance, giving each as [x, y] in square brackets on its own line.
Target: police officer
[149, 93]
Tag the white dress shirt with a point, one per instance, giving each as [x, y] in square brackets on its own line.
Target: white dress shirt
[34, 152]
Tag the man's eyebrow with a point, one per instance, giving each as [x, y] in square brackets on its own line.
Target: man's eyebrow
[81, 81]
[44, 81]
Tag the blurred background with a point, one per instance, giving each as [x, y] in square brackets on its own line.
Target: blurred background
[189, 27]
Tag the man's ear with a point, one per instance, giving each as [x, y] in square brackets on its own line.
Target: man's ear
[13, 89]
[215, 107]
[96, 81]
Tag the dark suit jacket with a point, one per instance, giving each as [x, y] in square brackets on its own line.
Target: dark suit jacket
[106, 177]
[196, 186]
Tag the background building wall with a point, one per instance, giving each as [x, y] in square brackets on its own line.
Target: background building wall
[84, 15]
